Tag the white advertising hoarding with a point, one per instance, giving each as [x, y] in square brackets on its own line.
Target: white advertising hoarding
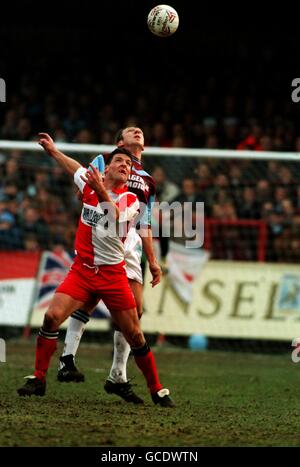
[229, 299]
[16, 297]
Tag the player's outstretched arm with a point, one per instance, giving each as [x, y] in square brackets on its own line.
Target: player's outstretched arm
[67, 163]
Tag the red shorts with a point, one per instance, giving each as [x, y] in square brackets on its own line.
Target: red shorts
[106, 282]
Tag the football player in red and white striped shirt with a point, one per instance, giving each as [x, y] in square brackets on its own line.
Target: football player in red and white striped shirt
[143, 185]
[98, 270]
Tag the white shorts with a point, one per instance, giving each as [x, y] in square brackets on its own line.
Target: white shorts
[133, 256]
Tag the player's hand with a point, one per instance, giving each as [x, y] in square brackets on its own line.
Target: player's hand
[46, 142]
[94, 179]
[156, 272]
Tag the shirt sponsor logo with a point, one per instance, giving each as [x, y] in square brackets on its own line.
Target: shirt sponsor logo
[137, 182]
[92, 217]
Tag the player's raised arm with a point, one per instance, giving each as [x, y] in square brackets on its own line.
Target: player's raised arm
[67, 163]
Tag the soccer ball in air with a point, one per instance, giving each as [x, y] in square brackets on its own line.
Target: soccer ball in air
[163, 20]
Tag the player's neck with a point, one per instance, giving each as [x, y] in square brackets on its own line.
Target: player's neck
[135, 151]
[113, 184]
[137, 154]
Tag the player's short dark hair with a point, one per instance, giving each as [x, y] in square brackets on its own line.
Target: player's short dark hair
[119, 136]
[117, 151]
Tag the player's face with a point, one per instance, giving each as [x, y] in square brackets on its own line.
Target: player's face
[120, 167]
[133, 136]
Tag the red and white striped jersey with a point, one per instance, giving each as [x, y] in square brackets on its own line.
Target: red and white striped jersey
[99, 239]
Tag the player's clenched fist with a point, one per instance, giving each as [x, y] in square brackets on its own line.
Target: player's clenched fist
[46, 142]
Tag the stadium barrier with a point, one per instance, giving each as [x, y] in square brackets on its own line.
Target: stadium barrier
[222, 298]
[17, 286]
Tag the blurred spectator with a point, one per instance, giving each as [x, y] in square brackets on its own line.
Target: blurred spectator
[248, 207]
[218, 191]
[204, 178]
[84, 136]
[73, 123]
[252, 140]
[24, 129]
[48, 205]
[59, 135]
[165, 189]
[236, 180]
[211, 142]
[60, 183]
[9, 127]
[159, 136]
[263, 191]
[31, 243]
[273, 168]
[188, 192]
[280, 194]
[10, 235]
[31, 223]
[297, 144]
[230, 133]
[266, 143]
[210, 126]
[10, 190]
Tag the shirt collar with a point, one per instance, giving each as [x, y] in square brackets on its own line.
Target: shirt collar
[118, 191]
[136, 160]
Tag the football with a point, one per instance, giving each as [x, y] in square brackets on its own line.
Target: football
[163, 20]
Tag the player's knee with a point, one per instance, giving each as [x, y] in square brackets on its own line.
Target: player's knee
[115, 326]
[52, 319]
[88, 311]
[136, 339]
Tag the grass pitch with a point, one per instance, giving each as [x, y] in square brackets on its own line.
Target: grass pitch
[223, 399]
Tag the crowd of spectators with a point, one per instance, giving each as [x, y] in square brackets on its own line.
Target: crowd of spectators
[39, 207]
[171, 117]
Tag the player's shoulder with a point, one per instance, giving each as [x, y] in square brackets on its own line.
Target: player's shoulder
[89, 195]
[139, 170]
[145, 175]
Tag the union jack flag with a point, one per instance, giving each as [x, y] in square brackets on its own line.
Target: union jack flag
[54, 267]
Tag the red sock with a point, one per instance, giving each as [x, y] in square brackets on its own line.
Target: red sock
[45, 348]
[147, 365]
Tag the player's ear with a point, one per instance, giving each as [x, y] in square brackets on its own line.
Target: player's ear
[120, 143]
[106, 169]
